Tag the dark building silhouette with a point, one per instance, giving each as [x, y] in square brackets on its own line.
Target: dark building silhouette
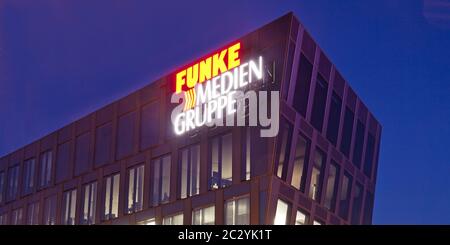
[122, 164]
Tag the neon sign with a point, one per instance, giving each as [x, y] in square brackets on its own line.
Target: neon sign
[208, 68]
[211, 90]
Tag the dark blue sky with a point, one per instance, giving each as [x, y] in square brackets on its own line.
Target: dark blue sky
[60, 60]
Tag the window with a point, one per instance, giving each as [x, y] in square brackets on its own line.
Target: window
[315, 188]
[334, 117]
[4, 219]
[320, 98]
[284, 151]
[28, 176]
[289, 68]
[111, 207]
[221, 161]
[359, 144]
[301, 218]
[69, 207]
[317, 222]
[135, 189]
[16, 217]
[237, 211]
[368, 158]
[161, 180]
[13, 183]
[204, 216]
[63, 159]
[246, 159]
[368, 206]
[45, 169]
[282, 213]
[357, 204]
[150, 221]
[301, 156]
[176, 219]
[302, 85]
[125, 134]
[50, 210]
[189, 165]
[33, 214]
[2, 186]
[150, 125]
[103, 145]
[346, 139]
[89, 203]
[332, 184]
[344, 196]
[82, 153]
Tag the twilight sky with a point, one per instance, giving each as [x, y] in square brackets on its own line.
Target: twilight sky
[60, 60]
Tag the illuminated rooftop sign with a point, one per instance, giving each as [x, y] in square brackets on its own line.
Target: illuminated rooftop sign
[208, 68]
[211, 91]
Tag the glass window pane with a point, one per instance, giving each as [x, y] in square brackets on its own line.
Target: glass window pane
[316, 175]
[107, 207]
[204, 216]
[332, 182]
[368, 158]
[247, 153]
[165, 188]
[126, 134]
[281, 215]
[184, 172]
[173, 220]
[243, 211]
[300, 218]
[227, 160]
[2, 185]
[50, 210]
[237, 211]
[139, 188]
[195, 169]
[150, 221]
[346, 138]
[115, 197]
[131, 180]
[302, 86]
[156, 181]
[359, 143]
[299, 163]
[357, 204]
[344, 196]
[214, 180]
[33, 214]
[320, 98]
[334, 116]
[89, 203]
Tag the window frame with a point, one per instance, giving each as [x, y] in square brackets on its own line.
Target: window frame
[136, 193]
